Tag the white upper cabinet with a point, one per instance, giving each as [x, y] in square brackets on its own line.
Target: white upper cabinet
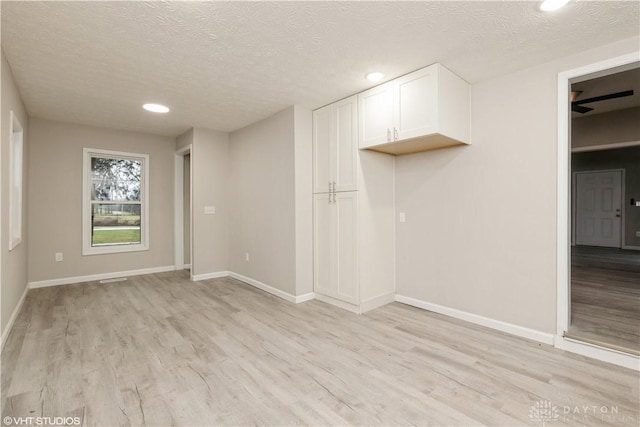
[335, 142]
[416, 106]
[421, 111]
[376, 115]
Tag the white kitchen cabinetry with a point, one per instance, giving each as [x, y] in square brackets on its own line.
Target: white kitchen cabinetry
[335, 237]
[335, 141]
[421, 111]
[353, 212]
[376, 115]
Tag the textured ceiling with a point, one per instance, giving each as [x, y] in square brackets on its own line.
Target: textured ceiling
[223, 65]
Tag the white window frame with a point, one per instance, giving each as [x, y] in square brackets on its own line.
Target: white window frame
[87, 249]
[16, 170]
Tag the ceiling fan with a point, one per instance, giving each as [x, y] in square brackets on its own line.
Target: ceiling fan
[577, 105]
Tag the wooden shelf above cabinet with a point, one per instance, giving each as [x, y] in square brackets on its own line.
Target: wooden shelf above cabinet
[416, 145]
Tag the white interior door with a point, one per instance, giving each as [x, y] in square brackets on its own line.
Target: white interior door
[599, 208]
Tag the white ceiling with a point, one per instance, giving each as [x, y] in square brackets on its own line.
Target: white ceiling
[223, 65]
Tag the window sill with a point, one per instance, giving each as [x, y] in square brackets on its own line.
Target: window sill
[113, 249]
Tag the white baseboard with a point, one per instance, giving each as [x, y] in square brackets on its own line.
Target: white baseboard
[273, 291]
[341, 304]
[184, 267]
[207, 276]
[596, 352]
[509, 328]
[12, 319]
[305, 297]
[102, 276]
[366, 305]
[375, 302]
[633, 248]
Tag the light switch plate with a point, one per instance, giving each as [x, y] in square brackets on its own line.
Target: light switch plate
[209, 210]
[402, 217]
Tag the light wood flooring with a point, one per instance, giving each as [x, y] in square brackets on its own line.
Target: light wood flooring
[605, 297]
[161, 350]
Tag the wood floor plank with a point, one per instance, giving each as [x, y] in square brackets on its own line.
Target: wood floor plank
[605, 297]
[162, 350]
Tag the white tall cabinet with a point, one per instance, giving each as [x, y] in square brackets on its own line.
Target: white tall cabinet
[354, 245]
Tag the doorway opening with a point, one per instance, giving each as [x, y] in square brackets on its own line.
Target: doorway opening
[605, 263]
[599, 211]
[183, 231]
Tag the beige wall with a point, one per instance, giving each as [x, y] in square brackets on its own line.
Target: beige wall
[303, 158]
[184, 140]
[606, 128]
[13, 264]
[262, 220]
[480, 230]
[210, 181]
[55, 200]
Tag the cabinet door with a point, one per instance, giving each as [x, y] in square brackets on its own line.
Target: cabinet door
[323, 231]
[346, 131]
[322, 149]
[345, 256]
[416, 104]
[376, 115]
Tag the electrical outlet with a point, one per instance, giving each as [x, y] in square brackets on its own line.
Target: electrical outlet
[637, 233]
[246, 256]
[59, 256]
[402, 217]
[209, 210]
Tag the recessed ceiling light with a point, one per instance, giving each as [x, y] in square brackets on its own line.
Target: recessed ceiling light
[551, 5]
[375, 76]
[156, 108]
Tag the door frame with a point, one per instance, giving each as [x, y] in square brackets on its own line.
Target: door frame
[574, 197]
[178, 213]
[563, 214]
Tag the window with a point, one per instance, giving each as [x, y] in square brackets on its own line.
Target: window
[15, 182]
[115, 202]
